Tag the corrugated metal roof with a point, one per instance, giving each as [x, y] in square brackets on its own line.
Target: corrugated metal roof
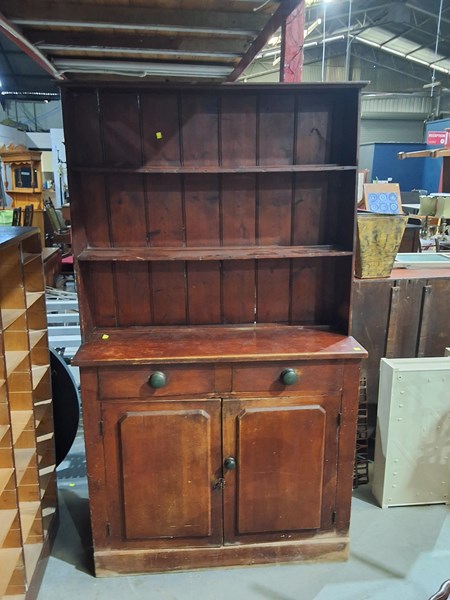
[400, 46]
[376, 35]
[406, 104]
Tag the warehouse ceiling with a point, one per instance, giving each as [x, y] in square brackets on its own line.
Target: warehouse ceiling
[193, 40]
[409, 36]
[208, 40]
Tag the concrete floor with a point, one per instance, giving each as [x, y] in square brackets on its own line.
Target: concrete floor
[396, 553]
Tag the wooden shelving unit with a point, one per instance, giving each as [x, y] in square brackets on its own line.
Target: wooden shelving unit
[27, 465]
[24, 175]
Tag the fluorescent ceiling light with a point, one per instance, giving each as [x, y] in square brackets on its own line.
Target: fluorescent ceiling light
[310, 44]
[268, 53]
[368, 42]
[392, 51]
[335, 38]
[313, 26]
[418, 60]
[141, 69]
[439, 68]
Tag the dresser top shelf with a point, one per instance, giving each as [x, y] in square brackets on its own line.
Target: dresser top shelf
[243, 343]
[212, 169]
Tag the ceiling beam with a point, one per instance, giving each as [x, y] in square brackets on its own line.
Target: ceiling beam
[292, 38]
[10, 52]
[64, 50]
[13, 34]
[355, 11]
[278, 18]
[6, 76]
[144, 29]
[91, 13]
[124, 39]
[426, 12]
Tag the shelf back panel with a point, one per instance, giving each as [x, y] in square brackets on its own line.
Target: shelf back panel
[229, 125]
[194, 210]
[309, 291]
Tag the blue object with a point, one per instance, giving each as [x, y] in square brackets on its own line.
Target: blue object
[381, 202]
[382, 162]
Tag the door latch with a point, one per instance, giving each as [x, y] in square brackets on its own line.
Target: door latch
[219, 484]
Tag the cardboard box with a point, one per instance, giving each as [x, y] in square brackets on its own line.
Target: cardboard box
[383, 198]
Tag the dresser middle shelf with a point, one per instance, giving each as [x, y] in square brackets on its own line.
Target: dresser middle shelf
[161, 253]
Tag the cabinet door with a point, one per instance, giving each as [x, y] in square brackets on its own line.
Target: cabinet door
[285, 453]
[161, 463]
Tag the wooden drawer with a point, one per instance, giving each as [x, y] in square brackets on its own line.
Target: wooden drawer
[133, 382]
[313, 378]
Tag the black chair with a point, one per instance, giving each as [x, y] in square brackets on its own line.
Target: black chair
[28, 215]
[17, 214]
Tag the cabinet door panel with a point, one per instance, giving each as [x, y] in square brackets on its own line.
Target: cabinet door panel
[166, 456]
[286, 466]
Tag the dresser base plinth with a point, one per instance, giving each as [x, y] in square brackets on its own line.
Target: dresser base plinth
[123, 562]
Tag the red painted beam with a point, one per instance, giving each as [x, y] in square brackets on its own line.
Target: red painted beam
[275, 22]
[292, 38]
[13, 34]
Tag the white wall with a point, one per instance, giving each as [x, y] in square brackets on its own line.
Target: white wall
[37, 140]
[391, 130]
[59, 164]
[40, 115]
[10, 135]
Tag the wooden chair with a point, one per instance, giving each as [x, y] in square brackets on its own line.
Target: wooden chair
[60, 235]
[55, 230]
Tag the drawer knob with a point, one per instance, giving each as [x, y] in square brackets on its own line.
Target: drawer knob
[229, 463]
[158, 379]
[289, 377]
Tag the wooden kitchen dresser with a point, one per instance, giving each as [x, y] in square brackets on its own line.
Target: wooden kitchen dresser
[213, 229]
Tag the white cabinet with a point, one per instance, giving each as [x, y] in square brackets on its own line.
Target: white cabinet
[412, 448]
